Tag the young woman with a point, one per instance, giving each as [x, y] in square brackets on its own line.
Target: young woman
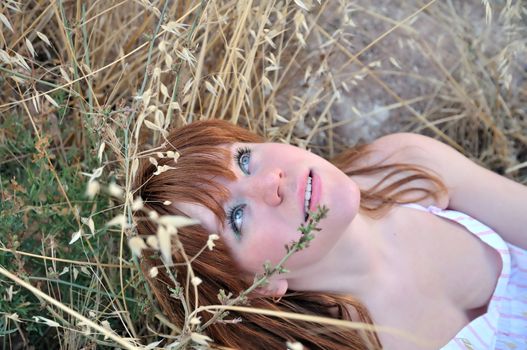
[407, 242]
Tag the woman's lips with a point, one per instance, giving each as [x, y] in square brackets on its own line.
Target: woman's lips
[316, 191]
[301, 192]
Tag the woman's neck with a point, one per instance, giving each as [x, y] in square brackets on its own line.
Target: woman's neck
[357, 265]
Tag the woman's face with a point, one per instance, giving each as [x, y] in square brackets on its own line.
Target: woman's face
[267, 204]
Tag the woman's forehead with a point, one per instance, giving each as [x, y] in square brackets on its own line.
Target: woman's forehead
[206, 217]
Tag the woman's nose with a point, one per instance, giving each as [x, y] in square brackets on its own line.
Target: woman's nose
[267, 187]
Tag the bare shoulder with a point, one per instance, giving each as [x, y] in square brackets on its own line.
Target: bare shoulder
[410, 149]
[424, 151]
[490, 198]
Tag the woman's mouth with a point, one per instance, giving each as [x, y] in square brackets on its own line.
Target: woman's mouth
[313, 193]
[308, 195]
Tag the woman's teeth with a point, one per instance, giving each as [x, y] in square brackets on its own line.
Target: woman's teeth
[308, 194]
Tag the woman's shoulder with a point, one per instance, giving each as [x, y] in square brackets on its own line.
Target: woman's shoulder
[402, 148]
[488, 197]
[405, 147]
[395, 148]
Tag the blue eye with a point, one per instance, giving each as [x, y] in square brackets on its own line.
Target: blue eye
[242, 158]
[235, 219]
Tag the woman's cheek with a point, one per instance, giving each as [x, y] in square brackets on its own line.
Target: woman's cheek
[253, 255]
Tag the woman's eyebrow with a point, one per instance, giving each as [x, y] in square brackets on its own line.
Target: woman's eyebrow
[210, 223]
[206, 217]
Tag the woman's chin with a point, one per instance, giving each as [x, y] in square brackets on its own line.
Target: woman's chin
[346, 203]
[343, 208]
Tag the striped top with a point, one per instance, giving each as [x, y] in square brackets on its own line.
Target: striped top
[504, 325]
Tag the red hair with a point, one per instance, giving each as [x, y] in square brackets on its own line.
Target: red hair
[201, 160]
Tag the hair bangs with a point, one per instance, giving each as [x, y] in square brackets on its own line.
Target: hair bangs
[204, 157]
[195, 180]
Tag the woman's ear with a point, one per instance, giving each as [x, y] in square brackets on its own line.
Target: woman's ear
[275, 288]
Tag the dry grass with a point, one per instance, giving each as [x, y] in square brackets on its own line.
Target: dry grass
[85, 83]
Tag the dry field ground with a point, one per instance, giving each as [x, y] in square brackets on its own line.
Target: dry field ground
[85, 83]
